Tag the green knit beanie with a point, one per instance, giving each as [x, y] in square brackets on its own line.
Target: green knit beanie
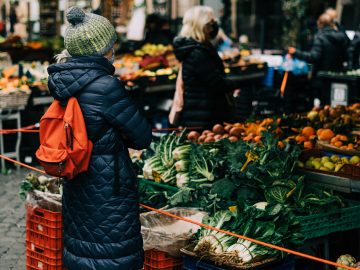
[88, 34]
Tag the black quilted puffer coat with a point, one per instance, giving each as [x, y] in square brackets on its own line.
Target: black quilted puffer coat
[100, 207]
[205, 84]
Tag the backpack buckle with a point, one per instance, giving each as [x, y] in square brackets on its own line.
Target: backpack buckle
[61, 167]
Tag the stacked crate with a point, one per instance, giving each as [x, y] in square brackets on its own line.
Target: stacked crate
[44, 243]
[159, 260]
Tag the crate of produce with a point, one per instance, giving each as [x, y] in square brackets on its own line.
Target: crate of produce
[155, 259]
[193, 263]
[351, 171]
[14, 99]
[194, 260]
[44, 221]
[37, 260]
[343, 219]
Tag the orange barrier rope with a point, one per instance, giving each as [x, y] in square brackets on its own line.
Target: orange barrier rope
[7, 131]
[29, 129]
[296, 253]
[22, 164]
[176, 129]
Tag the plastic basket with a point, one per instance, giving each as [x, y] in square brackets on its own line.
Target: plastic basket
[52, 254]
[155, 259]
[191, 263]
[44, 221]
[14, 100]
[344, 219]
[39, 261]
[52, 219]
[43, 240]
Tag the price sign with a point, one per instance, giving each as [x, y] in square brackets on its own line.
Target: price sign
[339, 94]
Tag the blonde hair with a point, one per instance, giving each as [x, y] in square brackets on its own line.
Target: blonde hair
[194, 22]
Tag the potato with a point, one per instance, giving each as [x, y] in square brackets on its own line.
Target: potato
[218, 129]
[235, 131]
[193, 136]
[209, 139]
[227, 128]
[201, 138]
[233, 138]
[218, 137]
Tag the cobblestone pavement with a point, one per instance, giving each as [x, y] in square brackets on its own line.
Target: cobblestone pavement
[12, 222]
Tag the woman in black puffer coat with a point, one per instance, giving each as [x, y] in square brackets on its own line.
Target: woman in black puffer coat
[203, 74]
[100, 207]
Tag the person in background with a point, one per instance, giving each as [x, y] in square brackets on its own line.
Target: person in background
[334, 17]
[157, 30]
[328, 53]
[13, 16]
[205, 85]
[329, 50]
[354, 51]
[100, 207]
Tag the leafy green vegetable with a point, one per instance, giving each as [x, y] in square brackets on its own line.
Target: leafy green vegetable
[273, 223]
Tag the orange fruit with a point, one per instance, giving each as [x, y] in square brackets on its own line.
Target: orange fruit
[300, 139]
[350, 146]
[308, 145]
[308, 131]
[319, 131]
[343, 138]
[334, 140]
[338, 144]
[326, 134]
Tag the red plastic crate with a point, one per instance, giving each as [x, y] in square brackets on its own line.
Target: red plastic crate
[53, 254]
[37, 226]
[155, 259]
[39, 261]
[29, 267]
[44, 241]
[51, 219]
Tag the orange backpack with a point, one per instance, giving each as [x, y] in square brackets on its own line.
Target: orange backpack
[65, 149]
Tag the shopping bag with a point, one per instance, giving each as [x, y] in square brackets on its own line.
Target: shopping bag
[178, 100]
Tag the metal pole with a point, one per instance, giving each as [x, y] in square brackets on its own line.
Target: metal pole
[262, 35]
[28, 21]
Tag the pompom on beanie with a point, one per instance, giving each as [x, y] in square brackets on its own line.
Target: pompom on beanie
[88, 34]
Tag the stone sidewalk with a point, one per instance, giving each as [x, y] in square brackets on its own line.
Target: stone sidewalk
[12, 222]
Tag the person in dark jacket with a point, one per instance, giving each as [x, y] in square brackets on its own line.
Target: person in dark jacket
[354, 52]
[329, 51]
[334, 17]
[205, 85]
[100, 207]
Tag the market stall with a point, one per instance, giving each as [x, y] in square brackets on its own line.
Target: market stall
[262, 179]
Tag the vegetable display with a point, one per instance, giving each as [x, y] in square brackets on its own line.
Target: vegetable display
[214, 176]
[271, 223]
